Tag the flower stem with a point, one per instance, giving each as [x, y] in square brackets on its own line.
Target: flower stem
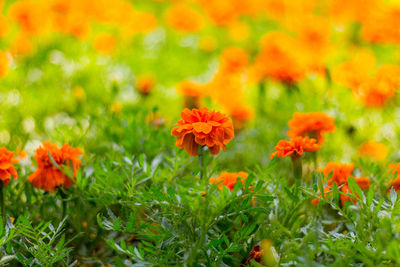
[261, 97]
[3, 215]
[63, 202]
[201, 163]
[297, 168]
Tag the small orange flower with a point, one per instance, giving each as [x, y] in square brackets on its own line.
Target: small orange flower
[375, 92]
[295, 147]
[205, 128]
[373, 149]
[285, 63]
[6, 166]
[192, 92]
[105, 43]
[255, 254]
[395, 183]
[314, 124]
[234, 60]
[4, 61]
[145, 84]
[184, 18]
[48, 176]
[340, 174]
[229, 179]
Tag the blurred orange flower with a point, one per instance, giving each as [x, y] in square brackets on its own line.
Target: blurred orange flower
[192, 92]
[355, 71]
[285, 63]
[295, 147]
[373, 149]
[105, 43]
[4, 61]
[313, 124]
[340, 174]
[184, 18]
[205, 128]
[50, 176]
[234, 60]
[375, 92]
[7, 166]
[145, 84]
[395, 183]
[229, 179]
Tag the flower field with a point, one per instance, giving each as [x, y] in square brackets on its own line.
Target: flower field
[199, 133]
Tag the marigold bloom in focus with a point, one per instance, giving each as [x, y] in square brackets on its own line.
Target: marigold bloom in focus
[313, 124]
[229, 179]
[7, 166]
[184, 18]
[373, 149]
[48, 176]
[295, 147]
[205, 128]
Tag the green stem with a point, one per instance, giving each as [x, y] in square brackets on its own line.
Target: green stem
[3, 214]
[297, 168]
[63, 202]
[261, 97]
[201, 163]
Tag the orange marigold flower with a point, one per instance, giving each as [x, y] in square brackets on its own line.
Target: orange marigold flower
[285, 64]
[229, 179]
[295, 147]
[145, 84]
[205, 128]
[373, 149]
[255, 254]
[340, 172]
[48, 176]
[355, 71]
[313, 124]
[315, 201]
[105, 43]
[234, 60]
[395, 168]
[375, 91]
[395, 183]
[3, 64]
[184, 18]
[192, 92]
[363, 182]
[7, 166]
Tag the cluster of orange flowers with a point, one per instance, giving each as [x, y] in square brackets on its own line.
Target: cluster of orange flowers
[229, 179]
[340, 172]
[306, 131]
[56, 167]
[372, 85]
